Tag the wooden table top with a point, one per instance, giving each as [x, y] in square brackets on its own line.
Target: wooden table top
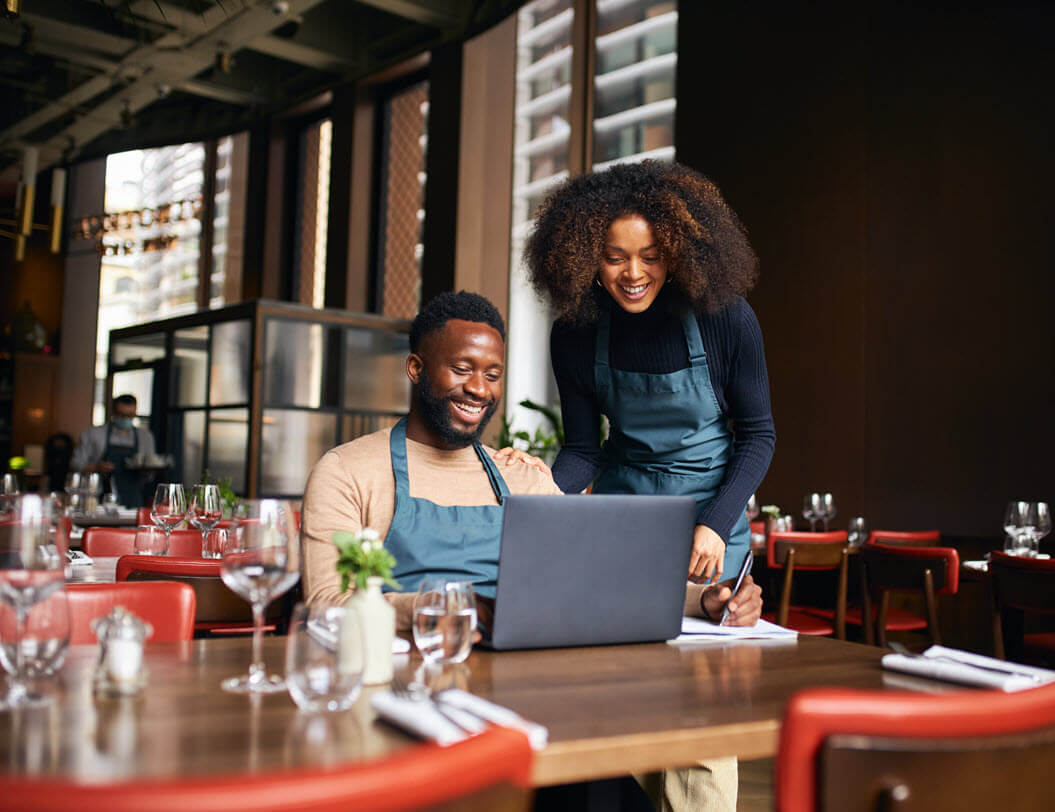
[610, 710]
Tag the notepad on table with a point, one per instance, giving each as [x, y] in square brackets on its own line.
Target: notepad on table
[695, 629]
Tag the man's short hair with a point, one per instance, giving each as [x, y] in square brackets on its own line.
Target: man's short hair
[461, 305]
[123, 400]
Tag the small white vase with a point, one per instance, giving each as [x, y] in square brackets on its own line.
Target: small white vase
[378, 619]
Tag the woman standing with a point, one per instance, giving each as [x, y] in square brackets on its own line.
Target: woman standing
[645, 267]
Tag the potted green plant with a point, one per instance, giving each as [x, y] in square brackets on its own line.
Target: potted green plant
[362, 558]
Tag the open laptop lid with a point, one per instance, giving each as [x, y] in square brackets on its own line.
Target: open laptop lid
[592, 570]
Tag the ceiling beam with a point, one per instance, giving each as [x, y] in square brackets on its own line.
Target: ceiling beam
[211, 90]
[444, 14]
[79, 36]
[301, 54]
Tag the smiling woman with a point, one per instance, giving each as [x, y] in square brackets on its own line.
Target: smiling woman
[646, 265]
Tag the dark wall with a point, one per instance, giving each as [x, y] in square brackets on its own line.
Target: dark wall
[893, 164]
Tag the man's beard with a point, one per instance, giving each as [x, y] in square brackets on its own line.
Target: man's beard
[435, 413]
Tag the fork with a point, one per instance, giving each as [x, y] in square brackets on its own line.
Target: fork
[419, 692]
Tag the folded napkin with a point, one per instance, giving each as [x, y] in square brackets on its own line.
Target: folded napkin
[695, 629]
[78, 559]
[953, 665]
[451, 715]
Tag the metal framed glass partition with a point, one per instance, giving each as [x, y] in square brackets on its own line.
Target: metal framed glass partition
[257, 392]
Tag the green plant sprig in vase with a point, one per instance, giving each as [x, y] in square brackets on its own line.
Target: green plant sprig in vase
[362, 555]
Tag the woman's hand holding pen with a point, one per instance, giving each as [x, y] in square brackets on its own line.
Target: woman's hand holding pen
[708, 554]
[745, 607]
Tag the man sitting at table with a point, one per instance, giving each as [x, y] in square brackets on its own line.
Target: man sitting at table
[430, 489]
[427, 485]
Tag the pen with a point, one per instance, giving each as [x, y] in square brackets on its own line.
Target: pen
[744, 569]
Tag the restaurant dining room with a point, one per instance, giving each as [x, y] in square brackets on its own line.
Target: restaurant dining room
[527, 404]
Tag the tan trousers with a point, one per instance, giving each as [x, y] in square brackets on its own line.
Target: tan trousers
[710, 787]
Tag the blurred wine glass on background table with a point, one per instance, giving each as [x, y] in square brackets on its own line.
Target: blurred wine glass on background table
[169, 507]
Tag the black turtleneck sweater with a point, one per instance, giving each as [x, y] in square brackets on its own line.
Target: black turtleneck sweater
[654, 342]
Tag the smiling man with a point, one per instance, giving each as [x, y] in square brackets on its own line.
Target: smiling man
[427, 485]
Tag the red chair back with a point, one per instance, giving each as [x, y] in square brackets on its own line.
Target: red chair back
[489, 771]
[110, 542]
[218, 608]
[168, 607]
[928, 571]
[1022, 585]
[856, 750]
[775, 559]
[925, 538]
[143, 516]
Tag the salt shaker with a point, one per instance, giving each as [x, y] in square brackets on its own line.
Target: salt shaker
[121, 637]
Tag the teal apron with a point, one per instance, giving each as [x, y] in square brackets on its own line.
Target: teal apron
[456, 541]
[125, 483]
[667, 433]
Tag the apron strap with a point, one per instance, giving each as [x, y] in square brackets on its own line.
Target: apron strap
[697, 355]
[600, 352]
[498, 485]
[397, 446]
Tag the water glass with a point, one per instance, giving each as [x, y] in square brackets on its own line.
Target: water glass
[1019, 526]
[812, 509]
[31, 573]
[752, 508]
[324, 657]
[150, 540]
[43, 641]
[444, 620]
[9, 490]
[214, 542]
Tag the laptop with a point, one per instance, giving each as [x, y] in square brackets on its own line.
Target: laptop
[587, 570]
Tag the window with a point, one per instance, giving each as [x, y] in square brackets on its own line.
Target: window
[153, 232]
[312, 214]
[561, 129]
[401, 220]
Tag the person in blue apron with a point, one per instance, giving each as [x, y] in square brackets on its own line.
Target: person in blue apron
[645, 266]
[110, 449]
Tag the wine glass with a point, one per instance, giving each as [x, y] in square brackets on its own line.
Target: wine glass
[812, 509]
[827, 509]
[74, 492]
[169, 508]
[260, 561]
[752, 508]
[444, 620]
[1018, 525]
[204, 513]
[31, 572]
[857, 531]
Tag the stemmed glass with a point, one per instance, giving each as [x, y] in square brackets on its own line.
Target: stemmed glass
[74, 493]
[261, 560]
[444, 620]
[169, 508]
[204, 513]
[812, 509]
[752, 508]
[827, 509]
[1019, 520]
[9, 491]
[32, 578]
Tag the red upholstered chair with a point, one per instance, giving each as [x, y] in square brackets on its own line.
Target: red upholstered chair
[1022, 585]
[923, 538]
[166, 606]
[870, 750]
[886, 568]
[796, 551]
[489, 771]
[220, 611]
[110, 542]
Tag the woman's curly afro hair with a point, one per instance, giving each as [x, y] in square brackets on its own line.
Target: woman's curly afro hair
[705, 247]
